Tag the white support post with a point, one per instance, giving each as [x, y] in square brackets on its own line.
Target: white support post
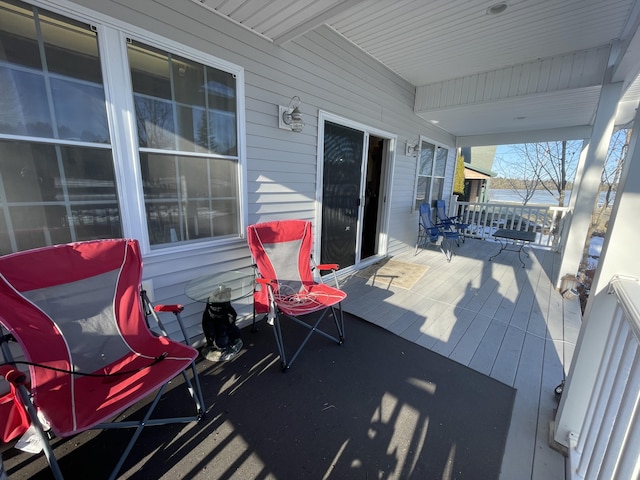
[618, 258]
[587, 191]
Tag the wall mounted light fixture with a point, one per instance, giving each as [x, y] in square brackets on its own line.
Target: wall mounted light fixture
[411, 149]
[290, 118]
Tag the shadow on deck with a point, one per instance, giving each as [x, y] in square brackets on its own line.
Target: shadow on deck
[498, 318]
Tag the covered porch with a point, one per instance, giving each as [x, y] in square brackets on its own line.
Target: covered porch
[494, 317]
[491, 87]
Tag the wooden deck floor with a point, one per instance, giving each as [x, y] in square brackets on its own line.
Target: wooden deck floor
[496, 317]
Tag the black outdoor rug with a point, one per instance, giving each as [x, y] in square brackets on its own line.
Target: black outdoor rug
[376, 407]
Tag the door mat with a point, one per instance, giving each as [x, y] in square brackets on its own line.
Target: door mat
[392, 273]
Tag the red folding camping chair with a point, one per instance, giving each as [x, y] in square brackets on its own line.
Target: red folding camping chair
[80, 319]
[282, 253]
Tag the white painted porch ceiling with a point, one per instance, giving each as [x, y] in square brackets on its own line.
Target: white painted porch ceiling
[442, 45]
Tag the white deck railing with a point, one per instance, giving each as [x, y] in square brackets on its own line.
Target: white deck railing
[609, 442]
[485, 218]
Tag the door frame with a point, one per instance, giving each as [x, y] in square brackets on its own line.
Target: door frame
[386, 181]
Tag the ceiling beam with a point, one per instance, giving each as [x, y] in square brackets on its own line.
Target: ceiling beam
[315, 21]
[550, 135]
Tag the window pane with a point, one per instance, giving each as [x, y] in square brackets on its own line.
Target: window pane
[29, 172]
[224, 178]
[438, 188]
[95, 221]
[441, 162]
[188, 82]
[225, 217]
[189, 198]
[87, 123]
[192, 129]
[422, 190]
[18, 41]
[426, 159]
[149, 71]
[181, 104]
[71, 48]
[5, 240]
[56, 194]
[89, 175]
[154, 119]
[39, 225]
[24, 108]
[221, 90]
[222, 133]
[221, 96]
[68, 77]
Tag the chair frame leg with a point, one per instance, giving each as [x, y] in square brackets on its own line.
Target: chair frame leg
[313, 328]
[25, 399]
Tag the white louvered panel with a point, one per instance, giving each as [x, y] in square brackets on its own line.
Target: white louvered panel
[596, 61]
[546, 65]
[534, 79]
[607, 445]
[516, 74]
[579, 60]
[554, 73]
[613, 459]
[481, 81]
[561, 73]
[466, 87]
[489, 82]
[596, 433]
[629, 463]
[444, 91]
[504, 78]
[566, 65]
[570, 108]
[523, 80]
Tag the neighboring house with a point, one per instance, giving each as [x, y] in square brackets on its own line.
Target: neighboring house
[478, 162]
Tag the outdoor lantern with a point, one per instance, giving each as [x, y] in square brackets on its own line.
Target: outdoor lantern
[290, 117]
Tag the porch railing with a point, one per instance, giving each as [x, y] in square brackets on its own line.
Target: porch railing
[609, 442]
[485, 218]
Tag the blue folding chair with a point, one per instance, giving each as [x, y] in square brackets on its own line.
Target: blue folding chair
[436, 234]
[450, 222]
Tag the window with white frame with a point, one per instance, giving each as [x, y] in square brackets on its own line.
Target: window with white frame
[431, 168]
[58, 180]
[187, 138]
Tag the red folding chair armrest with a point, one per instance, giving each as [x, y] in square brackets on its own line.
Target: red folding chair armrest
[176, 308]
[328, 266]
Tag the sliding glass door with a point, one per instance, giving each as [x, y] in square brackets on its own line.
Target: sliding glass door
[354, 172]
[343, 152]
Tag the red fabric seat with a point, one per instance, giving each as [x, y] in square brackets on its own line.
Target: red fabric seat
[282, 253]
[77, 308]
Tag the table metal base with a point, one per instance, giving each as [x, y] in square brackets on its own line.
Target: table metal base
[519, 239]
